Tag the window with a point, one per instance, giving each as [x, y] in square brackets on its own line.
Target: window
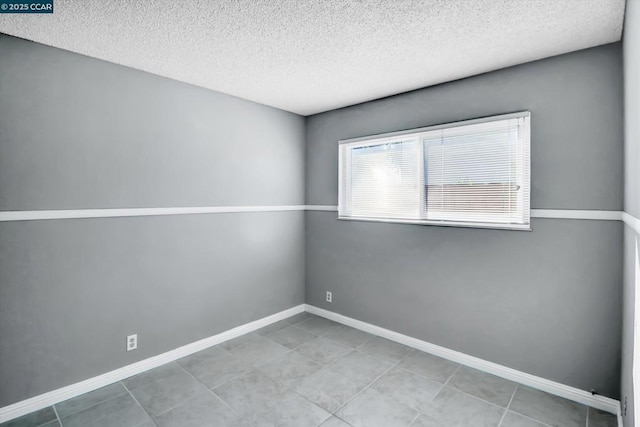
[473, 174]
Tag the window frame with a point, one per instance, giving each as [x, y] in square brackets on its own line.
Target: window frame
[417, 134]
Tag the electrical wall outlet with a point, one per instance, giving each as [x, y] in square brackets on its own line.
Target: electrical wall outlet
[329, 297]
[624, 407]
[132, 342]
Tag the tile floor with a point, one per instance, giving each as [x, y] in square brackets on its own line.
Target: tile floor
[310, 371]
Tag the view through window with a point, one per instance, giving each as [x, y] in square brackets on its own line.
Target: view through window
[473, 173]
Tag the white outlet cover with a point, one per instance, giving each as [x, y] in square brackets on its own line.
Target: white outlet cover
[132, 342]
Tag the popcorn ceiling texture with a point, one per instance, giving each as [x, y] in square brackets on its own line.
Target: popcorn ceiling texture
[310, 56]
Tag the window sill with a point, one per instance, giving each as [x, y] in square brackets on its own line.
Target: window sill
[461, 224]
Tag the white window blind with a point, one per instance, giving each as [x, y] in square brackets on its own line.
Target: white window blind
[473, 173]
[384, 181]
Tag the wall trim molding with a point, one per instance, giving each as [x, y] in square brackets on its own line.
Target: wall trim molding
[600, 402]
[35, 403]
[577, 214]
[324, 208]
[132, 212]
[125, 212]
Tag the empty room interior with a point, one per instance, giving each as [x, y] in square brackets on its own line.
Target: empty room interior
[305, 213]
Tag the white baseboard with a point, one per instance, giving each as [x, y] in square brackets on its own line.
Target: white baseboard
[552, 387]
[60, 395]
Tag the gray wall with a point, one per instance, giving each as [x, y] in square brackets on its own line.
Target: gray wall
[546, 302]
[631, 239]
[631, 53]
[83, 133]
[77, 132]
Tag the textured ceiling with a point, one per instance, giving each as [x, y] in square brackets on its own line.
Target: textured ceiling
[309, 56]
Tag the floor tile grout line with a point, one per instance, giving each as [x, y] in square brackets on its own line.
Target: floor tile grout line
[343, 326]
[321, 365]
[514, 396]
[396, 364]
[209, 359]
[283, 321]
[367, 387]
[370, 385]
[227, 381]
[304, 330]
[91, 406]
[322, 336]
[308, 400]
[145, 421]
[259, 335]
[280, 330]
[248, 420]
[55, 410]
[358, 348]
[252, 364]
[367, 341]
[311, 332]
[481, 399]
[170, 408]
[424, 376]
[441, 388]
[379, 359]
[286, 319]
[477, 397]
[138, 403]
[339, 326]
[295, 348]
[240, 346]
[448, 379]
[216, 396]
[166, 410]
[325, 420]
[587, 425]
[508, 405]
[531, 418]
[446, 384]
[344, 421]
[418, 415]
[368, 338]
